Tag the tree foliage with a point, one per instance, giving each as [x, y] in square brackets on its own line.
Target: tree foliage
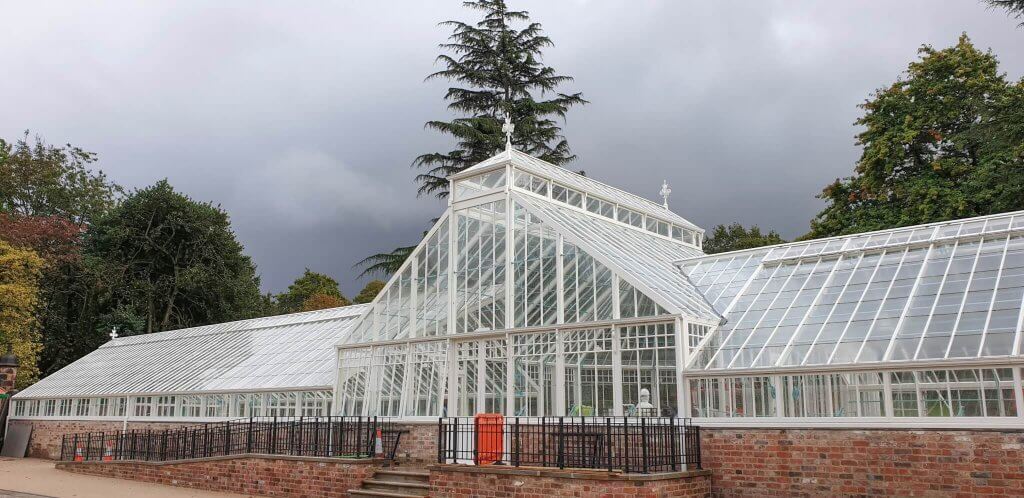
[165, 261]
[735, 237]
[19, 298]
[37, 179]
[301, 293]
[67, 308]
[323, 301]
[370, 291]
[1013, 8]
[386, 263]
[945, 141]
[496, 68]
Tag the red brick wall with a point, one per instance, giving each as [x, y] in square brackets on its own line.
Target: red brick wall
[418, 444]
[760, 462]
[287, 477]
[465, 481]
[46, 434]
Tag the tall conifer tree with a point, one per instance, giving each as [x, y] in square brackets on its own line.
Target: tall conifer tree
[496, 68]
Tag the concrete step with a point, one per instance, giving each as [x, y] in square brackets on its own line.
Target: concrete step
[414, 488]
[403, 475]
[380, 494]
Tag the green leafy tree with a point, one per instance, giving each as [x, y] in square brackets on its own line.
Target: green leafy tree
[48, 197]
[165, 261]
[497, 69]
[37, 179]
[370, 291]
[311, 284]
[1013, 8]
[735, 237]
[945, 141]
[19, 297]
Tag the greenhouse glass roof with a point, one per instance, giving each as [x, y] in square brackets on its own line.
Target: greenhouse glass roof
[294, 351]
[645, 260]
[939, 291]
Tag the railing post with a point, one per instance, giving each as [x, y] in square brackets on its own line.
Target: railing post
[643, 442]
[163, 446]
[273, 437]
[625, 445]
[476, 441]
[696, 437]
[440, 440]
[63, 444]
[516, 443]
[561, 442]
[248, 438]
[674, 435]
[608, 441]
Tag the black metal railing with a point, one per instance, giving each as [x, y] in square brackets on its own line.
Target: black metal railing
[625, 444]
[335, 437]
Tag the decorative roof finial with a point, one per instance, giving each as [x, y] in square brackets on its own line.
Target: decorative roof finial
[507, 129]
[113, 333]
[665, 192]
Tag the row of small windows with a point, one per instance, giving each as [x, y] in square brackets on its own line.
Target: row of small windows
[988, 392]
[601, 207]
[279, 404]
[486, 182]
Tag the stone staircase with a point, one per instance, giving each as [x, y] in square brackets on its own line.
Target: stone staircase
[395, 484]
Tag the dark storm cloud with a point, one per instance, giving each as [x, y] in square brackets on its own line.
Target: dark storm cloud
[301, 120]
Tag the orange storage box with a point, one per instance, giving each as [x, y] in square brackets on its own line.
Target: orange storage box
[490, 438]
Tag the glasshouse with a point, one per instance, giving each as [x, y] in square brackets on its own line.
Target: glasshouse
[544, 292]
[265, 367]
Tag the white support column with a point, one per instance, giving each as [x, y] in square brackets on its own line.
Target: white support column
[453, 228]
[616, 373]
[414, 292]
[560, 278]
[780, 396]
[682, 356]
[481, 380]
[887, 393]
[510, 233]
[1017, 391]
[559, 374]
[510, 408]
[453, 379]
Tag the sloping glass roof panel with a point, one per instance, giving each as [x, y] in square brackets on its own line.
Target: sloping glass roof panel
[720, 279]
[293, 351]
[947, 290]
[645, 260]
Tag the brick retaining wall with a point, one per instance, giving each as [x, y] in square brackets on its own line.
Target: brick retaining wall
[278, 476]
[492, 481]
[46, 434]
[844, 462]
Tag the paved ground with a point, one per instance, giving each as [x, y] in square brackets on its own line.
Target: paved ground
[33, 478]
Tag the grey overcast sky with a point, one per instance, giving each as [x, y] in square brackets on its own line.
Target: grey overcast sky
[301, 118]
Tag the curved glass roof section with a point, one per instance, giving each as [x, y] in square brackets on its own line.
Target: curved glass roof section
[294, 351]
[574, 180]
[939, 291]
[645, 259]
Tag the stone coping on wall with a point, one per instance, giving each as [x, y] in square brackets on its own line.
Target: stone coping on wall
[584, 474]
[261, 456]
